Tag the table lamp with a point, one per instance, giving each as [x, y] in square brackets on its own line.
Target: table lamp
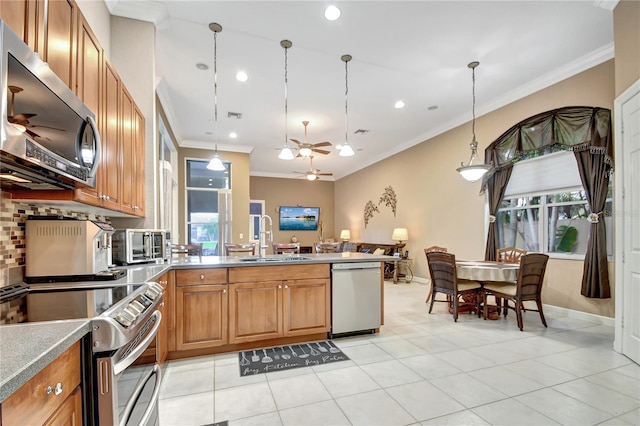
[345, 235]
[400, 234]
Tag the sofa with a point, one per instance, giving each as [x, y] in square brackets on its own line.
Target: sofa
[389, 249]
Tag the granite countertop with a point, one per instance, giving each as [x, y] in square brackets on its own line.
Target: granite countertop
[27, 348]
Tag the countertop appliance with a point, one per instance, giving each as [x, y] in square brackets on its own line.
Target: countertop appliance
[63, 248]
[356, 298]
[49, 138]
[125, 320]
[131, 246]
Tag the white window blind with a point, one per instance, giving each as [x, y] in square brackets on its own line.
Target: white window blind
[542, 174]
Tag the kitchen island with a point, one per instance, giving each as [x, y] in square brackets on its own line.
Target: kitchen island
[213, 304]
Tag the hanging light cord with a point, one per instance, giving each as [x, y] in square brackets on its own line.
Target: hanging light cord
[286, 136]
[215, 87]
[473, 108]
[346, 96]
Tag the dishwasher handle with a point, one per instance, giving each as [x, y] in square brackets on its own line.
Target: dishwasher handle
[355, 265]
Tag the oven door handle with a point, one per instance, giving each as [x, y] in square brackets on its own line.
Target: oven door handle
[121, 365]
[126, 414]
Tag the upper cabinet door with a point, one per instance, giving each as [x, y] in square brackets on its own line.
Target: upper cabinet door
[60, 28]
[14, 13]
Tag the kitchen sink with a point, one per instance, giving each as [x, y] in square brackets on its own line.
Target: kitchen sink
[271, 258]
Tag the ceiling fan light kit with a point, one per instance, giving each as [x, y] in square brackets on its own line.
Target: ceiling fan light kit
[472, 172]
[346, 150]
[216, 163]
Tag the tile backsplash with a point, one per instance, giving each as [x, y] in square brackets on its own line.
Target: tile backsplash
[13, 215]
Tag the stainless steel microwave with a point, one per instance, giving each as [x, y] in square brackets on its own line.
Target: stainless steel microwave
[49, 137]
[130, 246]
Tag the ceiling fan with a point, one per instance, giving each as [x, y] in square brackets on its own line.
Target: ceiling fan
[313, 174]
[21, 121]
[305, 149]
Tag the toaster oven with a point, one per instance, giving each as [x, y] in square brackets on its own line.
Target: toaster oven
[131, 246]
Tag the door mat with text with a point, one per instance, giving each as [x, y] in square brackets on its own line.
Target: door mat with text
[281, 358]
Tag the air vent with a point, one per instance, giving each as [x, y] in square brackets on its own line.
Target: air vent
[361, 131]
[237, 115]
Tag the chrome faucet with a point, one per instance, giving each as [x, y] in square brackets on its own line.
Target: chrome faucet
[267, 233]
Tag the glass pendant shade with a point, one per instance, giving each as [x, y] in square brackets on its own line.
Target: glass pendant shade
[311, 176]
[216, 163]
[473, 173]
[346, 151]
[286, 153]
[305, 152]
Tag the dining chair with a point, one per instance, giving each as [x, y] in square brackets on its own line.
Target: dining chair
[288, 248]
[509, 254]
[528, 287]
[239, 249]
[186, 250]
[444, 279]
[433, 249]
[327, 247]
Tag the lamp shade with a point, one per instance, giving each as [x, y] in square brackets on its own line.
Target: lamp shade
[473, 173]
[216, 163]
[345, 234]
[400, 234]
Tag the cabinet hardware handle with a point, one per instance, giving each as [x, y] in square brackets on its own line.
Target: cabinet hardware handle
[56, 391]
[286, 286]
[202, 276]
[224, 291]
[279, 286]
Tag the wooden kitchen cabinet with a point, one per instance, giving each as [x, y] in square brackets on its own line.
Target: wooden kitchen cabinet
[201, 308]
[158, 349]
[280, 307]
[307, 306]
[255, 311]
[74, 54]
[37, 401]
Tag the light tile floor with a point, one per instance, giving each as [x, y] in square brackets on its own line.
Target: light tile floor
[424, 369]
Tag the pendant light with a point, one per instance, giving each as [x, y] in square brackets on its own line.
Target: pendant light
[285, 152]
[215, 163]
[473, 172]
[346, 150]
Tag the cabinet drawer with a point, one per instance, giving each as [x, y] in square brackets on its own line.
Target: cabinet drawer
[186, 277]
[278, 273]
[31, 404]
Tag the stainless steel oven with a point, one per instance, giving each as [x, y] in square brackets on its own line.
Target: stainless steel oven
[125, 321]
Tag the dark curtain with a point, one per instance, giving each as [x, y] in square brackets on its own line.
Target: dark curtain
[496, 185]
[594, 172]
[587, 132]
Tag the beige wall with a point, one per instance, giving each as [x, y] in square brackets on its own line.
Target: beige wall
[239, 192]
[440, 208]
[293, 192]
[626, 36]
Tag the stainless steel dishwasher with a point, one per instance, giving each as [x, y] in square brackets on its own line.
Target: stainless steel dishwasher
[356, 297]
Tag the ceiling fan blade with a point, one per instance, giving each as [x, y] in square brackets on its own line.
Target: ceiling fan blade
[296, 141]
[324, 174]
[325, 143]
[321, 151]
[46, 127]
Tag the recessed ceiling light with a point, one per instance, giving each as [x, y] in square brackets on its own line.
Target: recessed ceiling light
[399, 105]
[242, 76]
[208, 133]
[233, 135]
[332, 13]
[202, 66]
[433, 107]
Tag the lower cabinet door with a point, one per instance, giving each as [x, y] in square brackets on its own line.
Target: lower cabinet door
[307, 307]
[69, 413]
[255, 311]
[202, 316]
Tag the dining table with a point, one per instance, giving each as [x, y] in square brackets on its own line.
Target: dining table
[487, 270]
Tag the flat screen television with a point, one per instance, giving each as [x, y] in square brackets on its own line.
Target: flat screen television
[299, 218]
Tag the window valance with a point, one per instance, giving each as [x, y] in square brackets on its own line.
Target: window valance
[569, 128]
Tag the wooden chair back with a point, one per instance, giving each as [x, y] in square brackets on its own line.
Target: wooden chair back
[531, 276]
[239, 249]
[327, 247]
[436, 249]
[509, 254]
[282, 248]
[442, 267]
[186, 250]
